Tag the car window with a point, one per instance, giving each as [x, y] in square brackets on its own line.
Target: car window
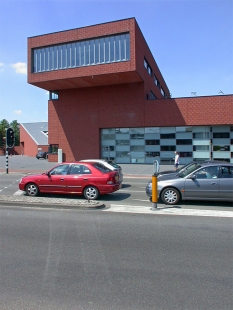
[101, 167]
[188, 170]
[210, 172]
[115, 166]
[79, 169]
[60, 170]
[226, 172]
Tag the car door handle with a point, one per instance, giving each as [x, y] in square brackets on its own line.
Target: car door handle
[213, 183]
[62, 179]
[85, 179]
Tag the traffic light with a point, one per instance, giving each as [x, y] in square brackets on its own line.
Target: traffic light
[10, 137]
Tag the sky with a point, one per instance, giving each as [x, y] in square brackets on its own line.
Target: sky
[191, 41]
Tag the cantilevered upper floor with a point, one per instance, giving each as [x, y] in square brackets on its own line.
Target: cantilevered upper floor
[104, 54]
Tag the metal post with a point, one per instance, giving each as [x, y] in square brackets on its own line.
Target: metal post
[6, 160]
[154, 197]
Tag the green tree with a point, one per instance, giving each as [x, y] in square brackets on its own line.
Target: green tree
[3, 125]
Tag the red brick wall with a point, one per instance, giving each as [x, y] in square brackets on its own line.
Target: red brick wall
[76, 118]
[194, 111]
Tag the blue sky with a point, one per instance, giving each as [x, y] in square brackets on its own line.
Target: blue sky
[191, 41]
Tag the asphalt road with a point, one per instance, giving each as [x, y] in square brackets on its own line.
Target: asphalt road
[95, 260]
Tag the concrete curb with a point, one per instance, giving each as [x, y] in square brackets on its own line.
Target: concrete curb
[45, 202]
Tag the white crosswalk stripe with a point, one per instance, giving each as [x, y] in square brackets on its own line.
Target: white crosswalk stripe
[18, 193]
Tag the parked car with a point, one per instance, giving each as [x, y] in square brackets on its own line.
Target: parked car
[90, 179]
[108, 164]
[204, 181]
[42, 155]
[191, 164]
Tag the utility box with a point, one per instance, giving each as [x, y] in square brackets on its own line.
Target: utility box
[59, 157]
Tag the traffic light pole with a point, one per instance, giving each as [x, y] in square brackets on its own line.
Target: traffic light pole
[6, 160]
[10, 142]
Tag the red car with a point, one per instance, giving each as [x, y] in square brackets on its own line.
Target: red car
[89, 179]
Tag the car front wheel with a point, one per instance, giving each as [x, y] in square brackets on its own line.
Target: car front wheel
[91, 193]
[32, 189]
[170, 196]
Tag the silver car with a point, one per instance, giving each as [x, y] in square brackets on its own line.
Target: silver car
[205, 181]
[109, 164]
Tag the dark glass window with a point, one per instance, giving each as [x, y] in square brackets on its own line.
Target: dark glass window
[226, 172]
[152, 95]
[167, 148]
[167, 136]
[53, 95]
[152, 142]
[184, 141]
[186, 154]
[220, 148]
[147, 66]
[87, 53]
[53, 148]
[221, 135]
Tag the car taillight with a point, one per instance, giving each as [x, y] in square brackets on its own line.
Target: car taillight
[113, 179]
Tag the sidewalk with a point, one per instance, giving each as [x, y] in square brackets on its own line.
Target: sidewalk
[26, 164]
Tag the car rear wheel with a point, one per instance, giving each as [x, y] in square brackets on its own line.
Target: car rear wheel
[91, 193]
[170, 196]
[32, 189]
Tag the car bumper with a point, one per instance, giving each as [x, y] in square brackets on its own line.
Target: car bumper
[108, 189]
[21, 186]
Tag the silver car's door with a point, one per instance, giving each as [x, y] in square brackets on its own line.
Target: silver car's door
[203, 186]
[226, 183]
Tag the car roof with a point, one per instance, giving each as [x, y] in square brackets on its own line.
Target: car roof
[216, 163]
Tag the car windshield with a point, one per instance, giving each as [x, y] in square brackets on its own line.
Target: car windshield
[184, 172]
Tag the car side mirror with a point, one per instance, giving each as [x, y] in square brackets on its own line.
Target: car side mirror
[193, 176]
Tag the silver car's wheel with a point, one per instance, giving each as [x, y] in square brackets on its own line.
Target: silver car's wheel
[170, 196]
[91, 192]
[32, 189]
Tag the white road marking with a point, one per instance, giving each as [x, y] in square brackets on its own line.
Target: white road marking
[170, 211]
[18, 193]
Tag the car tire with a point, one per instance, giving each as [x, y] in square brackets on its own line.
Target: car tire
[91, 193]
[32, 189]
[170, 196]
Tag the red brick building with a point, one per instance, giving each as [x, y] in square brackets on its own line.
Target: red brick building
[108, 99]
[33, 138]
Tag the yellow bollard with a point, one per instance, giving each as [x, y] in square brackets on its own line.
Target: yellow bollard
[154, 192]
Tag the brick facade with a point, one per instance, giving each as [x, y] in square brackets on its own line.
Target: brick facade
[113, 95]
